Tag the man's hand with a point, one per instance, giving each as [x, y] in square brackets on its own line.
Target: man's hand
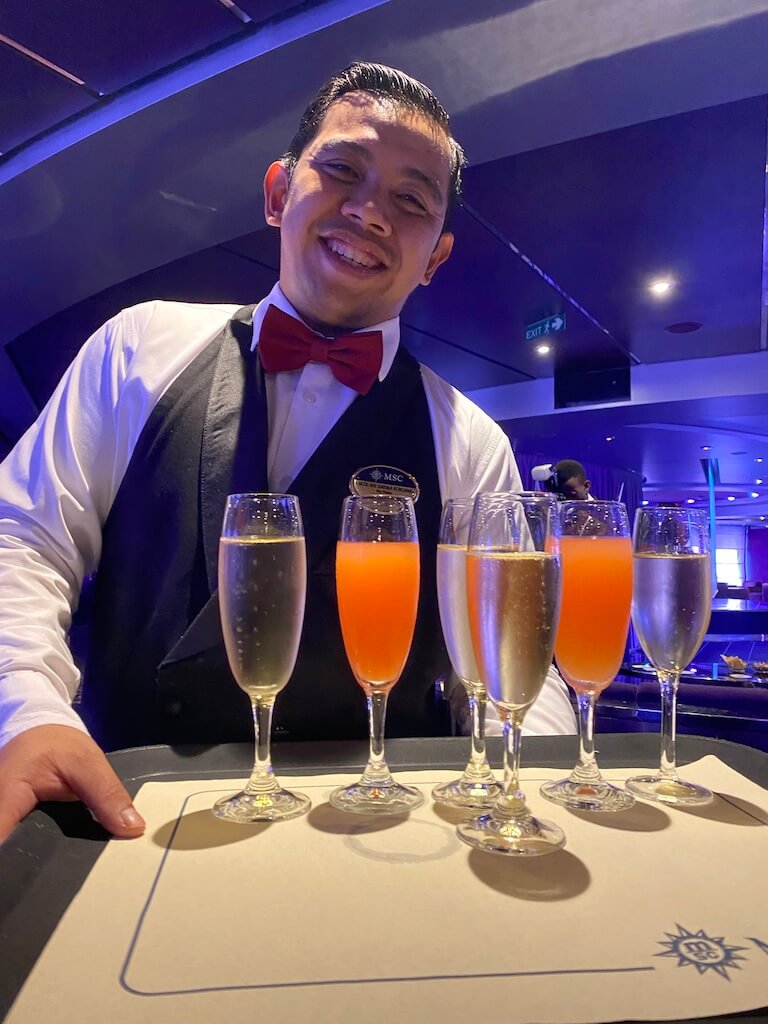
[57, 762]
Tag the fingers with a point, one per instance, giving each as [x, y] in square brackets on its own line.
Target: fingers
[17, 799]
[53, 762]
[93, 780]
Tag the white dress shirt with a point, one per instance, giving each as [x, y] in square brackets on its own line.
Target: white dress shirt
[59, 482]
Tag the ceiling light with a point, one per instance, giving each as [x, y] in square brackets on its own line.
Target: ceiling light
[762, 517]
[543, 350]
[754, 494]
[758, 481]
[691, 501]
[610, 438]
[643, 502]
[661, 286]
[705, 448]
[731, 498]
[758, 460]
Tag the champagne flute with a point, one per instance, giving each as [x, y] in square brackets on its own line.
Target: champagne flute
[476, 788]
[377, 582]
[262, 589]
[596, 562]
[671, 607]
[513, 594]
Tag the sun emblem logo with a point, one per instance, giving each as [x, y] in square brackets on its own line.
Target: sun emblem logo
[702, 951]
[376, 475]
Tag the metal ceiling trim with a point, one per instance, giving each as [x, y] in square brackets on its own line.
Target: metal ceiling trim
[43, 62]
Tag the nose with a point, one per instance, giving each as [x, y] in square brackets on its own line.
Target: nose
[366, 206]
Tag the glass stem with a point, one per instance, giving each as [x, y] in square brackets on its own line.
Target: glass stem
[511, 804]
[668, 682]
[477, 769]
[586, 772]
[262, 778]
[376, 771]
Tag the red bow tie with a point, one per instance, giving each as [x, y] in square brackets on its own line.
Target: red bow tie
[286, 344]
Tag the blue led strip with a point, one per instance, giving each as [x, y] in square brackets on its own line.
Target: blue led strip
[549, 280]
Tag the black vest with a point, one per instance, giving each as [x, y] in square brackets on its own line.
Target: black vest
[157, 670]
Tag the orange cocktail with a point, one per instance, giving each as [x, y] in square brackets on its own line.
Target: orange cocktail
[378, 592]
[594, 614]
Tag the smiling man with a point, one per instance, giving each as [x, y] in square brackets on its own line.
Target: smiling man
[169, 407]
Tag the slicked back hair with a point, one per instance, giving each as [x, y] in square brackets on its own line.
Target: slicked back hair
[386, 84]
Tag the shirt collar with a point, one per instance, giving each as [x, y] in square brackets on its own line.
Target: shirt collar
[390, 329]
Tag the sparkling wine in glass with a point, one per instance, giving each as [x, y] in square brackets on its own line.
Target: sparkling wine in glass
[377, 583]
[262, 590]
[476, 787]
[596, 563]
[513, 594]
[671, 607]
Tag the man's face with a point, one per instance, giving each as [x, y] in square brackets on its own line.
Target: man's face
[575, 489]
[361, 217]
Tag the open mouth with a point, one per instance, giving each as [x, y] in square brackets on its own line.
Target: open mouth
[352, 257]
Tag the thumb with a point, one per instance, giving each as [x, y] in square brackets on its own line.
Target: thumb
[92, 779]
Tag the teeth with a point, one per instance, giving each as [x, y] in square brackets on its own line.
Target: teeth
[348, 253]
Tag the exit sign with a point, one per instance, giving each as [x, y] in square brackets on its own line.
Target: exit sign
[552, 325]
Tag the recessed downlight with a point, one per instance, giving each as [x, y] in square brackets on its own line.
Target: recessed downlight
[684, 327]
[543, 350]
[660, 286]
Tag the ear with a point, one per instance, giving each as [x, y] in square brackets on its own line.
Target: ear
[276, 182]
[439, 255]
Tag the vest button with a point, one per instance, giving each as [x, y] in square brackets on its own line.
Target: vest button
[173, 707]
[309, 396]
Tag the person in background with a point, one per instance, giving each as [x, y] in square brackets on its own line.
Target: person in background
[572, 482]
[169, 407]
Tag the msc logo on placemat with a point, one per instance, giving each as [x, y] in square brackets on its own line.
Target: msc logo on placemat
[702, 951]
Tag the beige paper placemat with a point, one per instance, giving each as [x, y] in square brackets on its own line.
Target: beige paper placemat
[653, 913]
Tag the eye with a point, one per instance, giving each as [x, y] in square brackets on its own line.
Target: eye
[339, 168]
[413, 202]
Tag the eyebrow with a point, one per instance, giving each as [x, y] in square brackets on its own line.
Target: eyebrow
[414, 173]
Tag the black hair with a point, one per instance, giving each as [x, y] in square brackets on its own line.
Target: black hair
[384, 83]
[567, 468]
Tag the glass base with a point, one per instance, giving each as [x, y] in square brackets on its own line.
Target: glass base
[361, 798]
[247, 808]
[474, 795]
[668, 791]
[577, 796]
[516, 837]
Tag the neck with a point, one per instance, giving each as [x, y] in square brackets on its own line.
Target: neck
[328, 330]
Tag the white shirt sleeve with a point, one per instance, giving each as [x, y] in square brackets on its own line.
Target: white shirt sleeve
[52, 505]
[56, 489]
[474, 455]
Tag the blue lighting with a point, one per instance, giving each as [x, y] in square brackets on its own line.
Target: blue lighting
[145, 93]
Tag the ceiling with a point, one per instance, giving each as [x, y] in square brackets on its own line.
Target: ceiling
[610, 143]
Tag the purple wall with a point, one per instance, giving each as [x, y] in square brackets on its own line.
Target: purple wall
[757, 554]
